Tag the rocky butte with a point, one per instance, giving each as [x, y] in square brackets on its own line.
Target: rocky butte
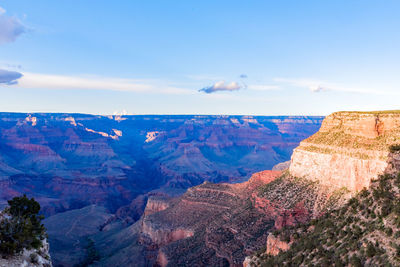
[350, 149]
[349, 152]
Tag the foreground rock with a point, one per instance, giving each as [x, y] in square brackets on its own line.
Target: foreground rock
[363, 232]
[29, 258]
[351, 150]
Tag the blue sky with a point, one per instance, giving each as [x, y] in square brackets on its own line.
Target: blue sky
[199, 57]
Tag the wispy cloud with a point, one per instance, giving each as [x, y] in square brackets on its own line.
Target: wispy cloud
[317, 86]
[262, 87]
[66, 82]
[10, 27]
[221, 86]
[9, 77]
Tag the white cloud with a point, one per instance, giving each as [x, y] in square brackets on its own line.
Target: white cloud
[221, 86]
[9, 77]
[10, 27]
[60, 82]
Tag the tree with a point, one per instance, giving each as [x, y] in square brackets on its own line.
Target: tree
[21, 226]
[371, 251]
[355, 261]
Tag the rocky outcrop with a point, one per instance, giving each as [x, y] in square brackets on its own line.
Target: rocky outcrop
[161, 236]
[281, 166]
[364, 124]
[358, 233]
[155, 204]
[29, 258]
[349, 150]
[275, 245]
[162, 259]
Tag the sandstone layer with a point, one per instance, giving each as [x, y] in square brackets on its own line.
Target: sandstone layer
[349, 150]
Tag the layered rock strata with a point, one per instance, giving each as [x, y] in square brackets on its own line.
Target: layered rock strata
[350, 149]
[221, 224]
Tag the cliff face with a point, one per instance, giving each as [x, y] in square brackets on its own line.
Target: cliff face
[30, 258]
[362, 232]
[349, 150]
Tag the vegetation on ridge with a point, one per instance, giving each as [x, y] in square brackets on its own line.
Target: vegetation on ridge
[344, 140]
[363, 232]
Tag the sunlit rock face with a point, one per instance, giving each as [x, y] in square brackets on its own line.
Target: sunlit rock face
[275, 245]
[350, 149]
[69, 161]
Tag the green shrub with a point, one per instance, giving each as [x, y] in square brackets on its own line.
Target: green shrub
[389, 231]
[394, 148]
[355, 261]
[371, 251]
[21, 228]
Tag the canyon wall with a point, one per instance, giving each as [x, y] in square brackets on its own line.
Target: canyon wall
[349, 150]
[68, 161]
[71, 161]
[220, 224]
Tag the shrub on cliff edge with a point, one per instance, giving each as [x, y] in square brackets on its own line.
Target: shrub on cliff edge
[21, 227]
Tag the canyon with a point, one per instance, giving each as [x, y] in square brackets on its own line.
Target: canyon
[215, 224]
[203, 210]
[69, 161]
[223, 224]
[80, 167]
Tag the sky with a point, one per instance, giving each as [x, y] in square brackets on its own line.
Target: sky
[199, 57]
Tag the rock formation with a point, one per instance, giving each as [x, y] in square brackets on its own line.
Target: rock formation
[349, 150]
[218, 224]
[363, 232]
[29, 258]
[275, 245]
